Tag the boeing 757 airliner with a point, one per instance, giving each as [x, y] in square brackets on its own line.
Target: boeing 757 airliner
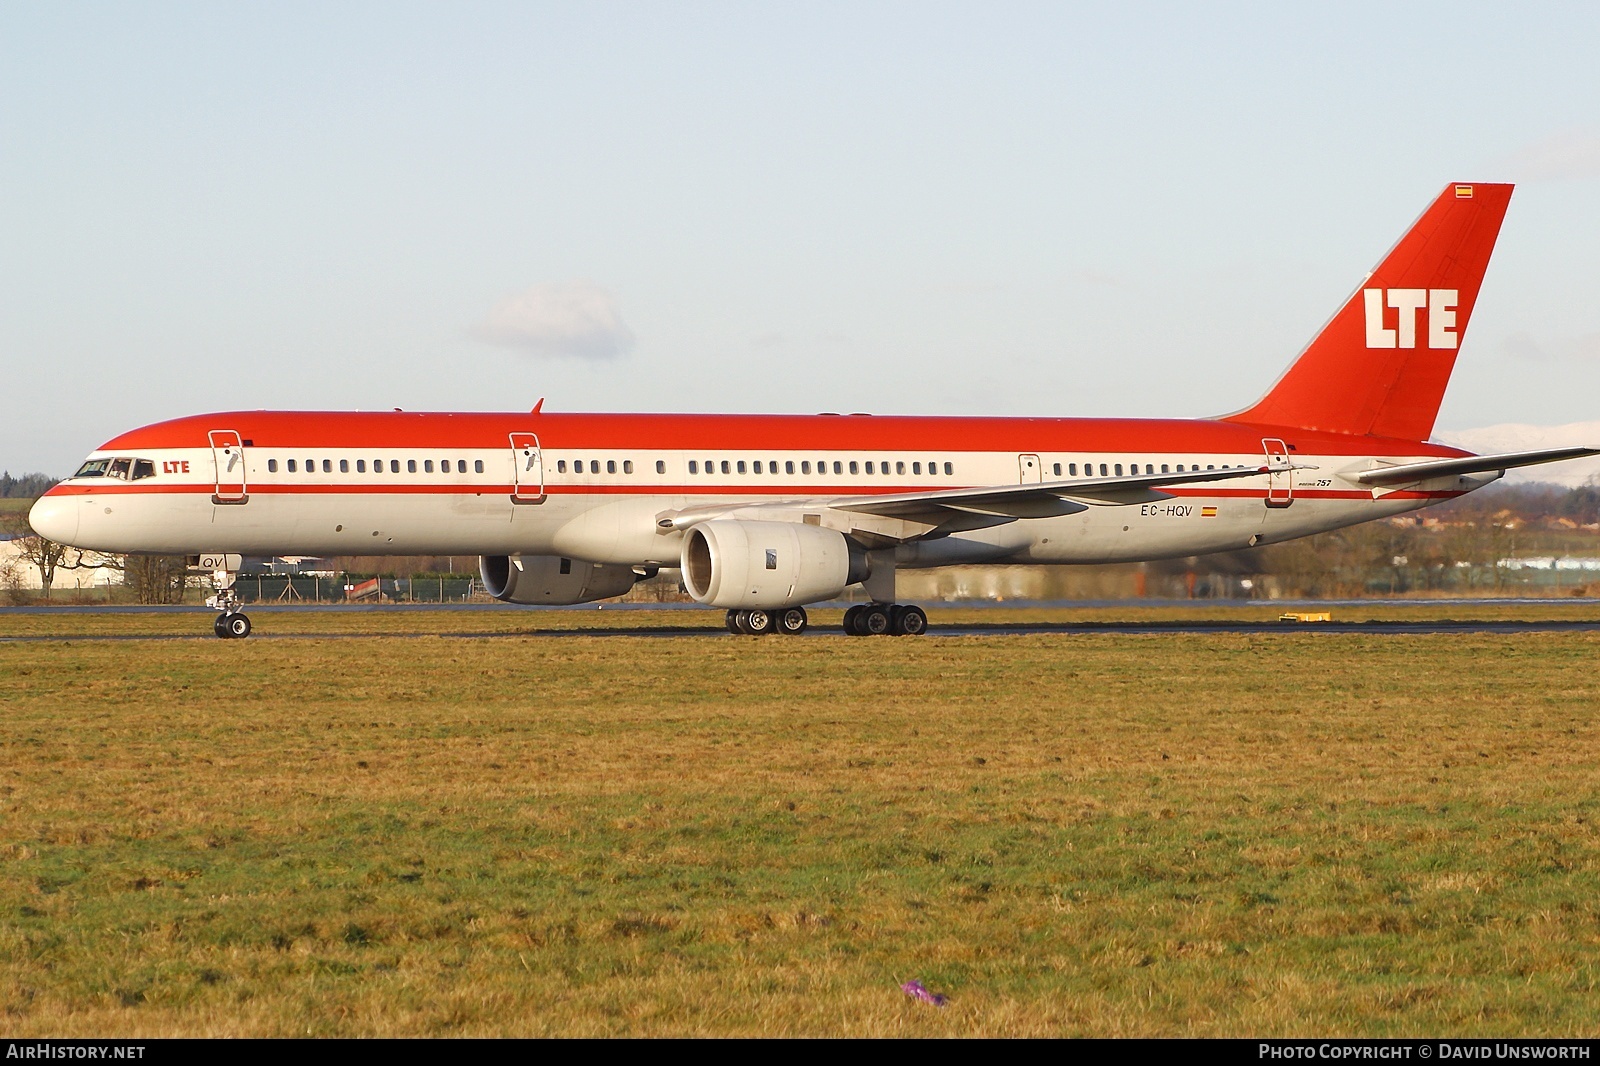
[765, 514]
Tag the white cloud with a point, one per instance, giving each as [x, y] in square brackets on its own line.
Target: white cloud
[1570, 154]
[563, 318]
[1517, 437]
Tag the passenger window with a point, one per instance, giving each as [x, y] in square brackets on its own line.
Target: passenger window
[869, 467]
[477, 466]
[311, 466]
[461, 466]
[291, 467]
[1209, 467]
[594, 466]
[1149, 468]
[394, 466]
[627, 466]
[361, 466]
[899, 468]
[1102, 470]
[661, 466]
[949, 468]
[411, 466]
[694, 467]
[272, 466]
[853, 466]
[805, 466]
[772, 466]
[427, 466]
[1072, 469]
[1119, 469]
[916, 468]
[725, 468]
[788, 466]
[611, 466]
[838, 467]
[756, 467]
[1164, 469]
[1057, 469]
[327, 466]
[741, 466]
[561, 466]
[344, 466]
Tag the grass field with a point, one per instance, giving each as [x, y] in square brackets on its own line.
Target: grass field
[1096, 834]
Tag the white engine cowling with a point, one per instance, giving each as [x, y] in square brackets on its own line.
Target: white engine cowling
[550, 579]
[731, 563]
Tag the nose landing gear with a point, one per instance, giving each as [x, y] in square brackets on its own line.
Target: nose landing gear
[232, 623]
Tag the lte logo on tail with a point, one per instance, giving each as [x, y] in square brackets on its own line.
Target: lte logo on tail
[1441, 305]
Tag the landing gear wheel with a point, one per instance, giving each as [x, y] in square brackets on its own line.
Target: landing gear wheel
[232, 626]
[873, 621]
[792, 622]
[910, 621]
[734, 625]
[758, 622]
[850, 616]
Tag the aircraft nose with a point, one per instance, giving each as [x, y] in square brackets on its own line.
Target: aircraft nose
[55, 518]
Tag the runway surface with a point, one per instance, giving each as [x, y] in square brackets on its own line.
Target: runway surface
[980, 629]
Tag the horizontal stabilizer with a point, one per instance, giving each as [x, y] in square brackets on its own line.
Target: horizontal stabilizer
[1471, 464]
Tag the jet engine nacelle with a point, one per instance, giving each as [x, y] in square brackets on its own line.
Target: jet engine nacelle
[550, 579]
[731, 563]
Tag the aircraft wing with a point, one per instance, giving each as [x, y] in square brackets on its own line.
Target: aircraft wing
[907, 516]
[1471, 464]
[1045, 500]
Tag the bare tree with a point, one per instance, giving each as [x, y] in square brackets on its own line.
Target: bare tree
[156, 578]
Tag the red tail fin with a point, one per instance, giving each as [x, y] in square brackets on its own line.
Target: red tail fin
[1381, 364]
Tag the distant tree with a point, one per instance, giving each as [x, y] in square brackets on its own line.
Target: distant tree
[1582, 505]
[26, 487]
[156, 578]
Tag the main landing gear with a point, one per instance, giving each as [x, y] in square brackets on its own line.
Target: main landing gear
[232, 623]
[885, 619]
[756, 621]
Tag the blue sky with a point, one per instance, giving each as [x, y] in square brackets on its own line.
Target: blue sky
[998, 208]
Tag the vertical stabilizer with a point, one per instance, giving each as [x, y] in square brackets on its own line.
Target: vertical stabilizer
[1381, 364]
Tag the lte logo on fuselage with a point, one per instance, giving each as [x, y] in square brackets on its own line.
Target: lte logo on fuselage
[1441, 307]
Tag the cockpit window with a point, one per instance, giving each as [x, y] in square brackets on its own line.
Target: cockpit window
[120, 468]
[143, 468]
[93, 468]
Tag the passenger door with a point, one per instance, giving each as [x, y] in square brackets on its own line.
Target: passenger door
[1030, 471]
[227, 453]
[527, 484]
[1280, 477]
